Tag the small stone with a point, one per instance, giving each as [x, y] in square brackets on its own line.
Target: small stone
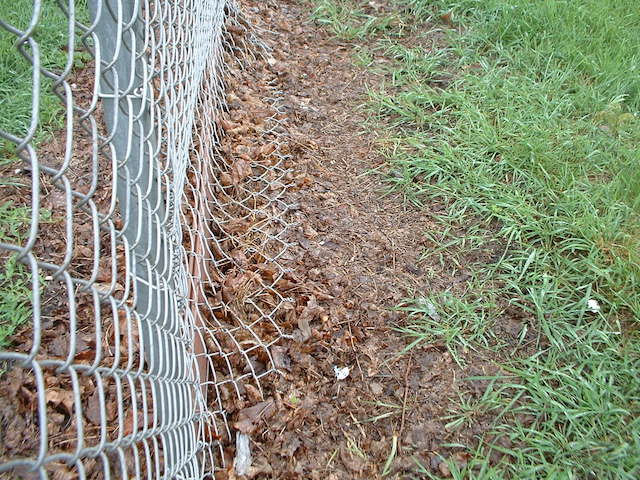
[376, 389]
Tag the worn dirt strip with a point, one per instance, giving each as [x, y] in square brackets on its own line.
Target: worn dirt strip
[357, 258]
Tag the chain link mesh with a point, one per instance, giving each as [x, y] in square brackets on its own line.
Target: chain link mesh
[147, 254]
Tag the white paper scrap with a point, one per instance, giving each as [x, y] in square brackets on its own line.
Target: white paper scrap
[242, 460]
[341, 373]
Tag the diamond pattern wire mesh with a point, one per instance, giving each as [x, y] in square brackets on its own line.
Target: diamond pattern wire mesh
[147, 255]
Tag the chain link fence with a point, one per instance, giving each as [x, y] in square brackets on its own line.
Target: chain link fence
[141, 238]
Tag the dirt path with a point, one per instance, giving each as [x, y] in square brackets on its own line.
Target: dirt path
[358, 257]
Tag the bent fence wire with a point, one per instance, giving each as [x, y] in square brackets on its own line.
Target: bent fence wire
[146, 257]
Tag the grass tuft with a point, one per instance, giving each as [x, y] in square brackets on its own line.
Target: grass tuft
[16, 84]
[15, 291]
[348, 20]
[526, 127]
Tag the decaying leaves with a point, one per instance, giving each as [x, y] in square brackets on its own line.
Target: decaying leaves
[310, 312]
[249, 418]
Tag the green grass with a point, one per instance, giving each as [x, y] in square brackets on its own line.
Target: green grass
[15, 278]
[16, 93]
[348, 20]
[16, 84]
[15, 291]
[525, 125]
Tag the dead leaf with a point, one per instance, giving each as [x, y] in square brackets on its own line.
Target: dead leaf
[62, 471]
[303, 180]
[290, 444]
[268, 270]
[461, 459]
[237, 29]
[27, 396]
[85, 355]
[237, 225]
[249, 418]
[128, 423]
[284, 284]
[239, 131]
[92, 410]
[310, 312]
[267, 150]
[234, 282]
[447, 19]
[105, 288]
[240, 170]
[309, 231]
[104, 272]
[60, 399]
[281, 360]
[225, 179]
[59, 346]
[253, 393]
[240, 258]
[260, 468]
[444, 469]
[228, 125]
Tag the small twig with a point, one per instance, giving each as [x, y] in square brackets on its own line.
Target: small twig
[353, 347]
[404, 400]
[357, 424]
[333, 455]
